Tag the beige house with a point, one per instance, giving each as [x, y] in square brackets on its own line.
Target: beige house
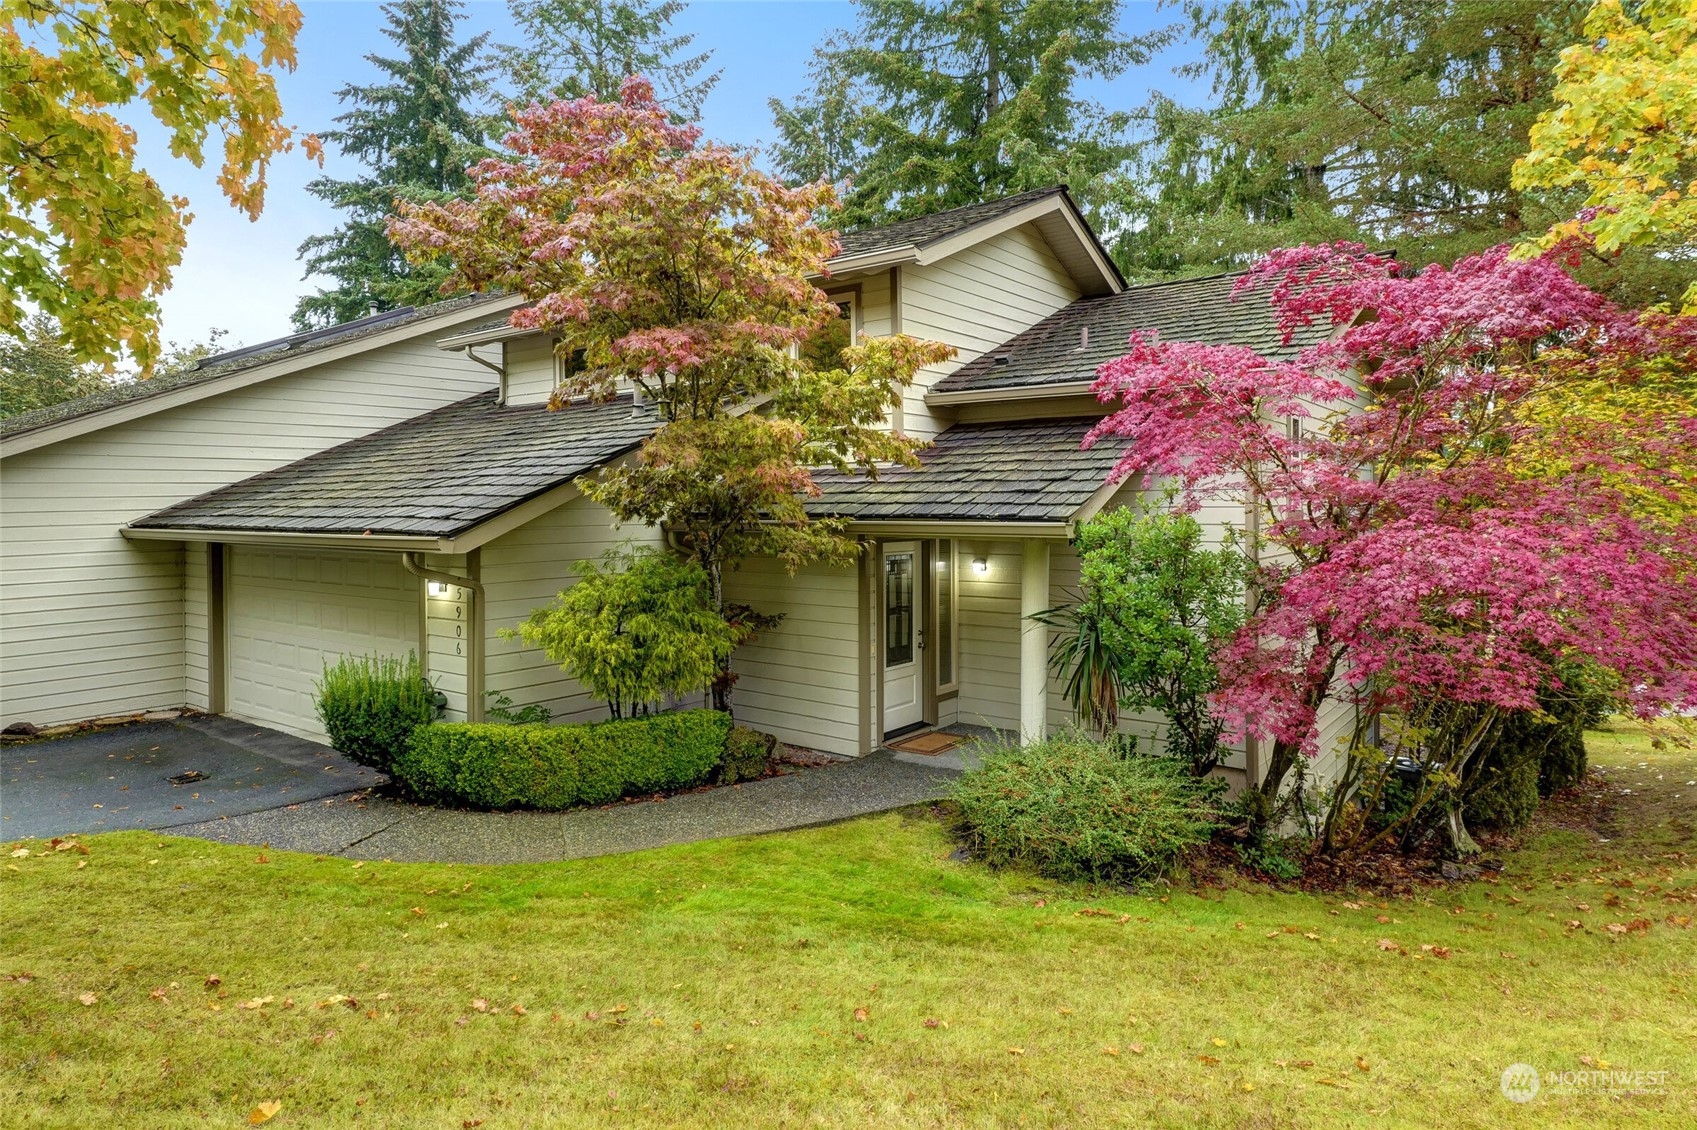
[397, 483]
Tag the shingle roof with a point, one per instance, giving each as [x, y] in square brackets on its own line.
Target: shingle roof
[939, 225]
[1024, 471]
[1057, 350]
[233, 361]
[436, 475]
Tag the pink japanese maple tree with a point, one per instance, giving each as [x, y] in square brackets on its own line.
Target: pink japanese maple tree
[1425, 531]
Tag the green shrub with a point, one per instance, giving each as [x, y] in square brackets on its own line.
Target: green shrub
[638, 626]
[370, 706]
[1074, 808]
[747, 753]
[491, 765]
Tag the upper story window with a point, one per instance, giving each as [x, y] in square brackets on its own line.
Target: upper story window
[824, 350]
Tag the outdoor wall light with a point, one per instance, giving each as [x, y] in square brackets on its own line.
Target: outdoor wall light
[436, 588]
[980, 565]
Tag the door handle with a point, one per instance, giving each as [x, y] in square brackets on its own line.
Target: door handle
[919, 639]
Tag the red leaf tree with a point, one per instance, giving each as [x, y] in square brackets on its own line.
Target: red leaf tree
[680, 269]
[1425, 534]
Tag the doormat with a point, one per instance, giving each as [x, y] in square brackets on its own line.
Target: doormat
[936, 741]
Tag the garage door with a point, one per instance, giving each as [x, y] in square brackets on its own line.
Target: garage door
[291, 612]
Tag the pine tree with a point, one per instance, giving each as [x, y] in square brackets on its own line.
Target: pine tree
[932, 104]
[415, 130]
[579, 48]
[1393, 122]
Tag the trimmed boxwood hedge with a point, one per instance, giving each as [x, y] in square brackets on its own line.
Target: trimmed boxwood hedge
[498, 766]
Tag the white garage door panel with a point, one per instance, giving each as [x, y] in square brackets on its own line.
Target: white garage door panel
[290, 613]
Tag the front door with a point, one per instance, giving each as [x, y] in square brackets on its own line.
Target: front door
[903, 638]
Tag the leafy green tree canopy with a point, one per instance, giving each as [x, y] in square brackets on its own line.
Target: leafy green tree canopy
[587, 48]
[415, 130]
[934, 104]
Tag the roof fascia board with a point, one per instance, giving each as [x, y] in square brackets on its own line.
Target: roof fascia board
[509, 520]
[1018, 392]
[870, 261]
[126, 411]
[387, 543]
[1037, 209]
[482, 337]
[946, 528]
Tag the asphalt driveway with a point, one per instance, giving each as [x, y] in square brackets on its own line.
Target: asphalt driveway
[121, 778]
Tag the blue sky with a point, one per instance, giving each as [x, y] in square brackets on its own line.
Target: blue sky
[243, 277]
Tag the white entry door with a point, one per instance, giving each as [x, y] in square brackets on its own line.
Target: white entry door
[903, 638]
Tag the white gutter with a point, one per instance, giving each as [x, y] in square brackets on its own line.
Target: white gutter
[284, 537]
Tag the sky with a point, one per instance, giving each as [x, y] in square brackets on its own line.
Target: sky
[244, 277]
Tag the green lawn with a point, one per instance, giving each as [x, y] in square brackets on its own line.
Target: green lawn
[844, 976]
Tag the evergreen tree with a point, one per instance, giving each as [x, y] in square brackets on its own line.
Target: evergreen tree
[38, 369]
[1394, 122]
[415, 130]
[579, 48]
[932, 104]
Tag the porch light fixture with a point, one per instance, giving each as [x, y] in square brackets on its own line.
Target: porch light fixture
[436, 588]
[980, 565]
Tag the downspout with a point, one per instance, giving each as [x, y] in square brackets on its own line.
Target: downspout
[414, 564]
[499, 370]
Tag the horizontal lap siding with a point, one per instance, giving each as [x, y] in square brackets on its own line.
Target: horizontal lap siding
[988, 606]
[526, 569]
[975, 301]
[67, 577]
[800, 680]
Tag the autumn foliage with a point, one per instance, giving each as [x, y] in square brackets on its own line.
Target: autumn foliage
[1429, 532]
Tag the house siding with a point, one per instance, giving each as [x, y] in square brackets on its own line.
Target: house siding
[800, 680]
[975, 301]
[94, 624]
[531, 369]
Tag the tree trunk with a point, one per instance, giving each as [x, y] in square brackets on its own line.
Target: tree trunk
[1460, 840]
[722, 684]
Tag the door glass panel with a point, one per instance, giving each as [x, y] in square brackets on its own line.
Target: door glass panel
[945, 641]
[898, 609]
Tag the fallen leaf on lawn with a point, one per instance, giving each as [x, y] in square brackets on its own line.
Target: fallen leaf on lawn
[861, 1015]
[418, 910]
[329, 1034]
[1237, 925]
[260, 858]
[21, 853]
[358, 865]
[1683, 921]
[213, 980]
[1388, 945]
[1615, 928]
[1327, 1082]
[441, 925]
[1302, 1063]
[1208, 1059]
[256, 1003]
[87, 998]
[1312, 937]
[1587, 1061]
[1134, 1049]
[929, 1022]
[1582, 906]
[620, 1008]
[1063, 1011]
[67, 845]
[382, 996]
[1382, 919]
[1639, 925]
[1249, 1086]
[1110, 1051]
[1441, 951]
[1218, 1043]
[1361, 1064]
[468, 1123]
[1272, 933]
[1352, 906]
[1016, 1051]
[81, 863]
[159, 994]
[264, 1112]
[590, 1015]
[481, 1004]
[519, 1010]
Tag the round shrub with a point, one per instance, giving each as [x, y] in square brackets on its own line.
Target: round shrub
[1075, 808]
[370, 706]
[747, 753]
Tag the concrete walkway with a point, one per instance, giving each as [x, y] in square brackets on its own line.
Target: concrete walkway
[360, 827]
